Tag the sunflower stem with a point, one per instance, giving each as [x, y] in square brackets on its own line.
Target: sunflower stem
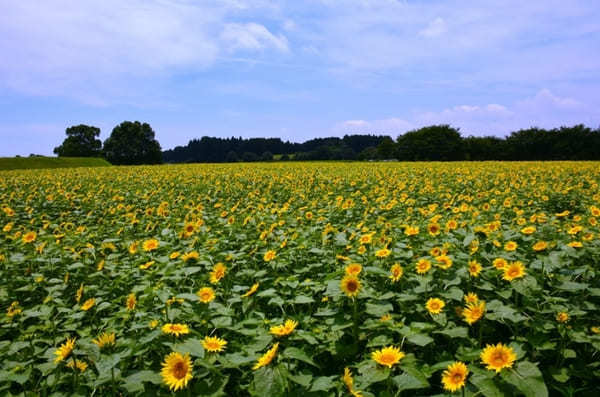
[355, 320]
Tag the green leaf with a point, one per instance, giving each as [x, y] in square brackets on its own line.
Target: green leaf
[302, 299]
[527, 378]
[301, 379]
[410, 379]
[324, 383]
[298, 354]
[419, 339]
[456, 332]
[135, 382]
[486, 385]
[378, 310]
[192, 346]
[268, 383]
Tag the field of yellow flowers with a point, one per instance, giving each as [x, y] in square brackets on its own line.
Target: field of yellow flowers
[301, 279]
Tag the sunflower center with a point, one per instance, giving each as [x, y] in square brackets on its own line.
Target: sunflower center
[457, 377]
[179, 370]
[498, 358]
[387, 358]
[352, 286]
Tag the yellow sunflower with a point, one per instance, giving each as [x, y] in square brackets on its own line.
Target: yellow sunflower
[540, 246]
[175, 329]
[514, 270]
[562, 317]
[353, 269]
[64, 350]
[423, 266]
[454, 376]
[88, 304]
[131, 301]
[177, 370]
[77, 364]
[217, 273]
[105, 339]
[350, 285]
[213, 344]
[29, 237]
[498, 357]
[150, 245]
[266, 358]
[396, 272]
[206, 294]
[383, 253]
[473, 312]
[435, 305]
[284, 329]
[474, 268]
[387, 356]
[251, 290]
[269, 255]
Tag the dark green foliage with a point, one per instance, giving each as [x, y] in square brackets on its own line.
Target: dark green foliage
[132, 143]
[434, 143]
[81, 141]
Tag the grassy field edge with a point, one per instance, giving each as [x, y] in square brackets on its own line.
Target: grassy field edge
[17, 163]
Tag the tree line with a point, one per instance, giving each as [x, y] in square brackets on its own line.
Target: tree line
[134, 143]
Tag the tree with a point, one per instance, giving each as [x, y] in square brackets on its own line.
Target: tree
[232, 157]
[386, 148]
[81, 141]
[433, 143]
[132, 143]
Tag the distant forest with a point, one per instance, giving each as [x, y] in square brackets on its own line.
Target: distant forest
[433, 143]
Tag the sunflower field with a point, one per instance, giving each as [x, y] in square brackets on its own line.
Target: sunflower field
[301, 279]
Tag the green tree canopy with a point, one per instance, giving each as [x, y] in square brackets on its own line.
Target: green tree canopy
[433, 143]
[132, 143]
[81, 141]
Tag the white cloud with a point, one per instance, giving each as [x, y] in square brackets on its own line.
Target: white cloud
[252, 36]
[437, 27]
[544, 109]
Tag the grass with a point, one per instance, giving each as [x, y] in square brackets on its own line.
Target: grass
[16, 163]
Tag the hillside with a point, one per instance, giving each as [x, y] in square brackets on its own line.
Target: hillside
[15, 163]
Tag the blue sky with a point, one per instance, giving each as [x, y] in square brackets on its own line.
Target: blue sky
[294, 69]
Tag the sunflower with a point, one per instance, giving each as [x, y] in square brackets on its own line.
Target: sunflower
[177, 370]
[443, 261]
[454, 376]
[79, 293]
[349, 382]
[383, 253]
[366, 238]
[150, 245]
[387, 356]
[213, 344]
[64, 350]
[514, 270]
[269, 255]
[474, 268]
[435, 305]
[104, 340]
[500, 263]
[473, 312]
[146, 265]
[206, 294]
[528, 230]
[29, 237]
[88, 304]
[217, 273]
[353, 269]
[131, 301]
[510, 246]
[433, 229]
[471, 297]
[175, 329]
[350, 285]
[562, 317]
[498, 357]
[77, 364]
[423, 266]
[251, 290]
[285, 329]
[266, 358]
[174, 255]
[540, 246]
[396, 272]
[190, 255]
[188, 229]
[411, 230]
[133, 247]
